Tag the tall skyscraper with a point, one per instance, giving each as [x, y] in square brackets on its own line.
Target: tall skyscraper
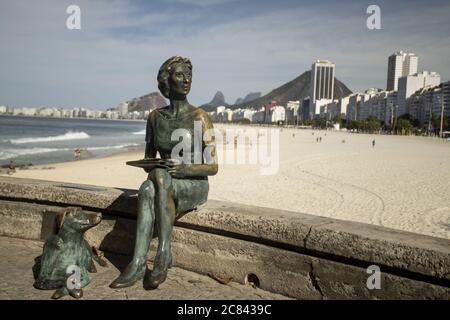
[400, 64]
[322, 84]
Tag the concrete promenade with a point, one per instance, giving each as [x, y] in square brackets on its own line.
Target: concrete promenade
[16, 276]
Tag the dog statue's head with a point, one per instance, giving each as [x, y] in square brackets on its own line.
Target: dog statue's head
[75, 219]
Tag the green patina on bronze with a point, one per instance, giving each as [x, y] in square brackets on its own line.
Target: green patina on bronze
[65, 251]
[172, 188]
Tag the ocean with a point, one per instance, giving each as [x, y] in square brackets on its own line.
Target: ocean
[32, 140]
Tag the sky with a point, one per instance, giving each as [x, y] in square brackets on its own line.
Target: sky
[236, 46]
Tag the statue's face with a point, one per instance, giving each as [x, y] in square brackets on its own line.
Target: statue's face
[180, 80]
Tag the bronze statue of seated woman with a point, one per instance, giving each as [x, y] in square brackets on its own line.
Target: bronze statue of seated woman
[172, 187]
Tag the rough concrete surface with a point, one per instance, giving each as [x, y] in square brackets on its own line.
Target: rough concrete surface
[17, 259]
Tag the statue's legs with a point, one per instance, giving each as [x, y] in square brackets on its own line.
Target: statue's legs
[159, 199]
[144, 231]
[165, 218]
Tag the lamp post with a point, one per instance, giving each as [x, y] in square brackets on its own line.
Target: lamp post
[441, 132]
[393, 117]
[429, 119]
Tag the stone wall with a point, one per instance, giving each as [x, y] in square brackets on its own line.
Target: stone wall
[294, 254]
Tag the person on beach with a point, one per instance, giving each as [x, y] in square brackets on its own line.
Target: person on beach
[11, 168]
[373, 143]
[169, 192]
[77, 154]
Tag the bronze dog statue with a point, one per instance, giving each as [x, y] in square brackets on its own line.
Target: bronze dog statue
[67, 257]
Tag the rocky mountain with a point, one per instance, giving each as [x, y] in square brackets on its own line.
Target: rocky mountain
[296, 89]
[249, 97]
[148, 102]
[218, 100]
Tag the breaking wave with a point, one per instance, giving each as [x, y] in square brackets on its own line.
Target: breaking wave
[120, 146]
[14, 153]
[67, 136]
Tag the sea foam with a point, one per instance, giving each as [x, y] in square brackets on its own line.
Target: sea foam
[120, 146]
[67, 136]
[13, 153]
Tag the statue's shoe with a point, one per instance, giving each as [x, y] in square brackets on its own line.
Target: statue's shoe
[153, 280]
[76, 293]
[63, 291]
[134, 272]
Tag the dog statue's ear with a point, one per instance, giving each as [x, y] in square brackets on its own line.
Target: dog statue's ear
[60, 219]
[61, 216]
[72, 210]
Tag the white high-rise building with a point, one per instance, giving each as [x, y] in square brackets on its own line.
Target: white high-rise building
[343, 105]
[292, 112]
[220, 109]
[409, 84]
[354, 106]
[400, 64]
[322, 84]
[277, 113]
[123, 109]
[426, 102]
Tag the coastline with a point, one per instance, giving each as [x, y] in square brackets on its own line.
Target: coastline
[68, 118]
[93, 170]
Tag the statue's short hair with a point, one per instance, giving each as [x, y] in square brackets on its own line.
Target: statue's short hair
[165, 72]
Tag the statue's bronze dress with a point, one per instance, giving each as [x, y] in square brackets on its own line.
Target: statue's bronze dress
[189, 192]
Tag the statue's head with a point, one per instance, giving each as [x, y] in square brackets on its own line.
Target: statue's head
[174, 77]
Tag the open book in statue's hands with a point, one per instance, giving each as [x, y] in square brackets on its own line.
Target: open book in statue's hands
[149, 164]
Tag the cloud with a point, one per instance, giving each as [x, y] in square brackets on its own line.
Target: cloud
[236, 47]
[201, 3]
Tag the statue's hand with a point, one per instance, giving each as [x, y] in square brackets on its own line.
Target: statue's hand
[178, 170]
